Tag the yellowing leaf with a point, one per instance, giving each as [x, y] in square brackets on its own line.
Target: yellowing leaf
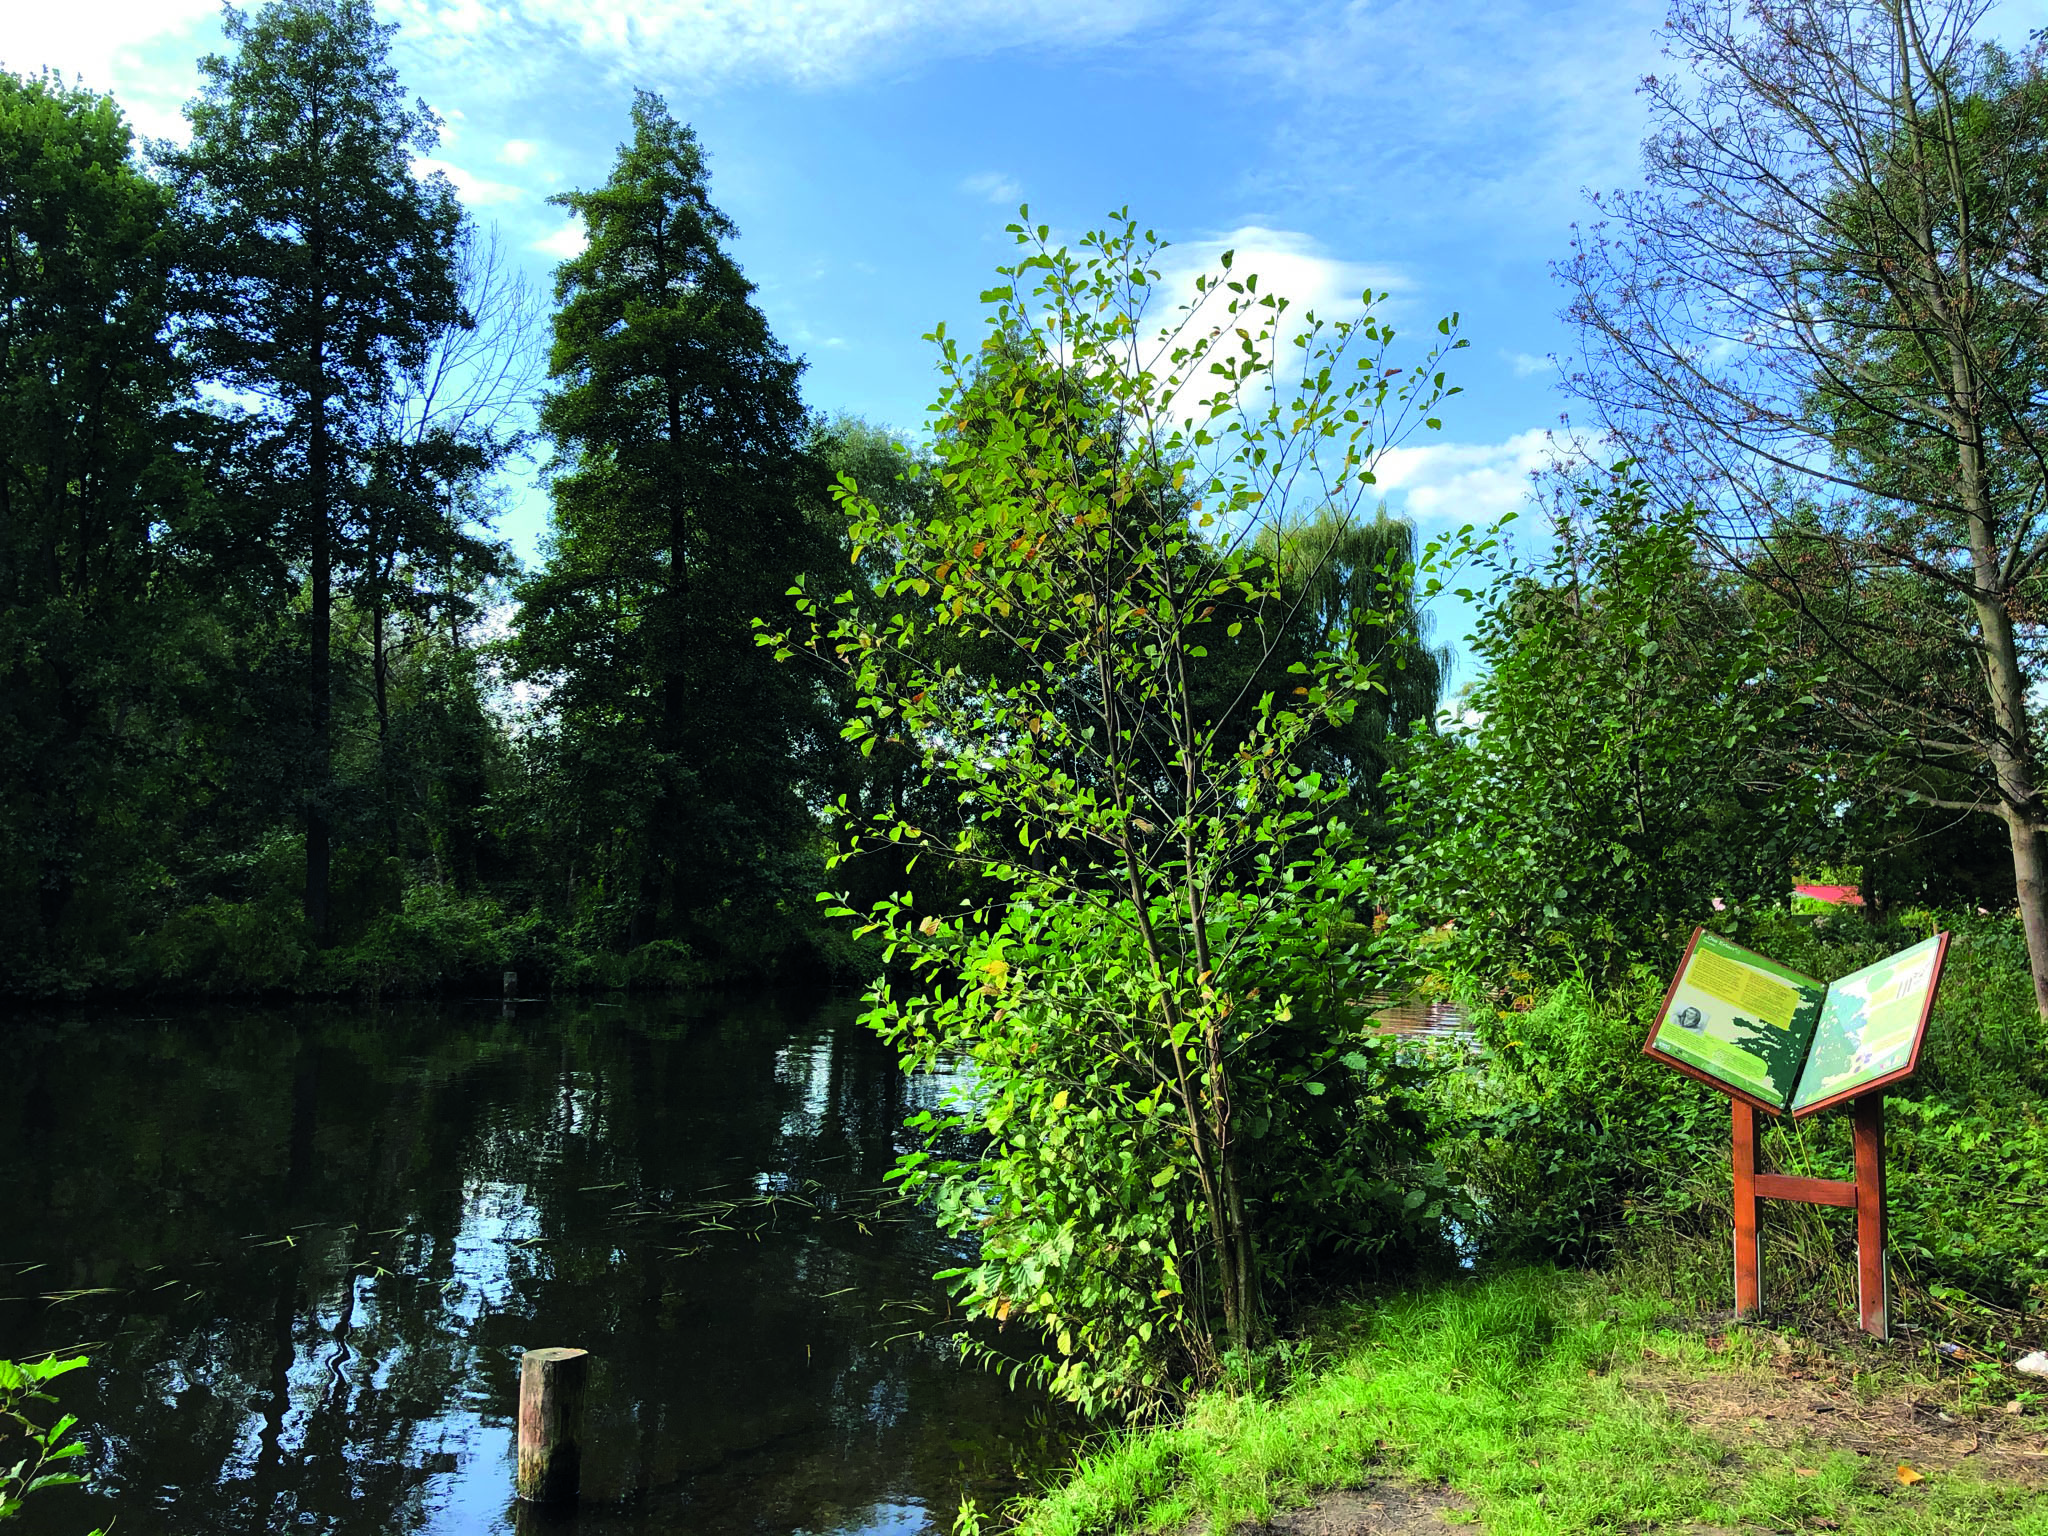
[1908, 1476]
[1059, 1100]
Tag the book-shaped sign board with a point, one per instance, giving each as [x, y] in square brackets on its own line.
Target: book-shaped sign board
[1781, 1042]
[1777, 1041]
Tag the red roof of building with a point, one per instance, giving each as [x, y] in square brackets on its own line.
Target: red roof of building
[1840, 895]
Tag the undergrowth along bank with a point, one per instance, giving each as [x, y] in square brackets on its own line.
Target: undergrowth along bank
[1575, 1147]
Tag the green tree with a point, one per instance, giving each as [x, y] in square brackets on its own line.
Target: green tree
[1636, 751]
[670, 741]
[94, 514]
[1351, 587]
[47, 1446]
[330, 266]
[1830, 298]
[1150, 973]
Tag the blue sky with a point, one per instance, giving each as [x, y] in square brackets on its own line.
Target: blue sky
[871, 152]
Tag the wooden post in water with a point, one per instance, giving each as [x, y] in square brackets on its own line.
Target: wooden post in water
[511, 985]
[551, 1424]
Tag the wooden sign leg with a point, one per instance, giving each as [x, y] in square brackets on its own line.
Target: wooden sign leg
[1749, 1285]
[1873, 1274]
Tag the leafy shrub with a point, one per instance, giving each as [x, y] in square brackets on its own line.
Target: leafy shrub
[664, 963]
[1607, 783]
[225, 947]
[40, 1460]
[1059, 1154]
[1566, 1134]
[442, 939]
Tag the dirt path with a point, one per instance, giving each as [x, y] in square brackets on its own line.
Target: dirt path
[1380, 1509]
[1799, 1401]
[1793, 1403]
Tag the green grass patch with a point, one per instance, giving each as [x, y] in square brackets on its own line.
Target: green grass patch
[1550, 1400]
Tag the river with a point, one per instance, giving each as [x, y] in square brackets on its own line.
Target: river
[304, 1248]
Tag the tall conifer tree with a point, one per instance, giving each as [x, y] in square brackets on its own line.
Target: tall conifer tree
[677, 429]
[330, 266]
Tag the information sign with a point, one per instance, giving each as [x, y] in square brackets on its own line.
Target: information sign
[1775, 1040]
[1764, 1034]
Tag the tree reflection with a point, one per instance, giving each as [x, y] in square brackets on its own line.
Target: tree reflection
[326, 1235]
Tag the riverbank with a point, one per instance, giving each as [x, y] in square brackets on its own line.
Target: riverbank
[1541, 1401]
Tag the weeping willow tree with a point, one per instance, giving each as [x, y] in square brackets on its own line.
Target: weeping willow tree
[1350, 589]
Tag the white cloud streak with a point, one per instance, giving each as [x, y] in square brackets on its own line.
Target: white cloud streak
[1287, 262]
[474, 190]
[806, 42]
[994, 187]
[88, 38]
[564, 243]
[1446, 484]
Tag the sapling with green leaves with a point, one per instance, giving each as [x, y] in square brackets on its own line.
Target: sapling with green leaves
[1079, 638]
[34, 1456]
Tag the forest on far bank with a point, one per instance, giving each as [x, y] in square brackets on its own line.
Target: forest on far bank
[281, 712]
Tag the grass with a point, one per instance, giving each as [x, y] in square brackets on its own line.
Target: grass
[1559, 1402]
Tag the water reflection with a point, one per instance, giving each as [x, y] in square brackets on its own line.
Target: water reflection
[305, 1249]
[1428, 1017]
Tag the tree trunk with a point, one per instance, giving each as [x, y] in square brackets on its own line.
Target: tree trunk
[318, 852]
[2012, 748]
[2031, 880]
[379, 668]
[668, 824]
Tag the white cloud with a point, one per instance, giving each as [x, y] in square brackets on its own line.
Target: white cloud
[143, 50]
[564, 243]
[518, 151]
[88, 38]
[808, 42]
[995, 187]
[475, 191]
[1286, 262]
[1527, 364]
[1454, 483]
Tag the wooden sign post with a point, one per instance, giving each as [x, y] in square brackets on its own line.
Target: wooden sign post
[1780, 1043]
[1864, 1195]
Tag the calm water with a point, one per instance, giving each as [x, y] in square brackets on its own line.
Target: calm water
[1415, 1016]
[306, 1247]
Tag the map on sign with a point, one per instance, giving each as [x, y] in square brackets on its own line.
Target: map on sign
[1870, 1025]
[1783, 1041]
